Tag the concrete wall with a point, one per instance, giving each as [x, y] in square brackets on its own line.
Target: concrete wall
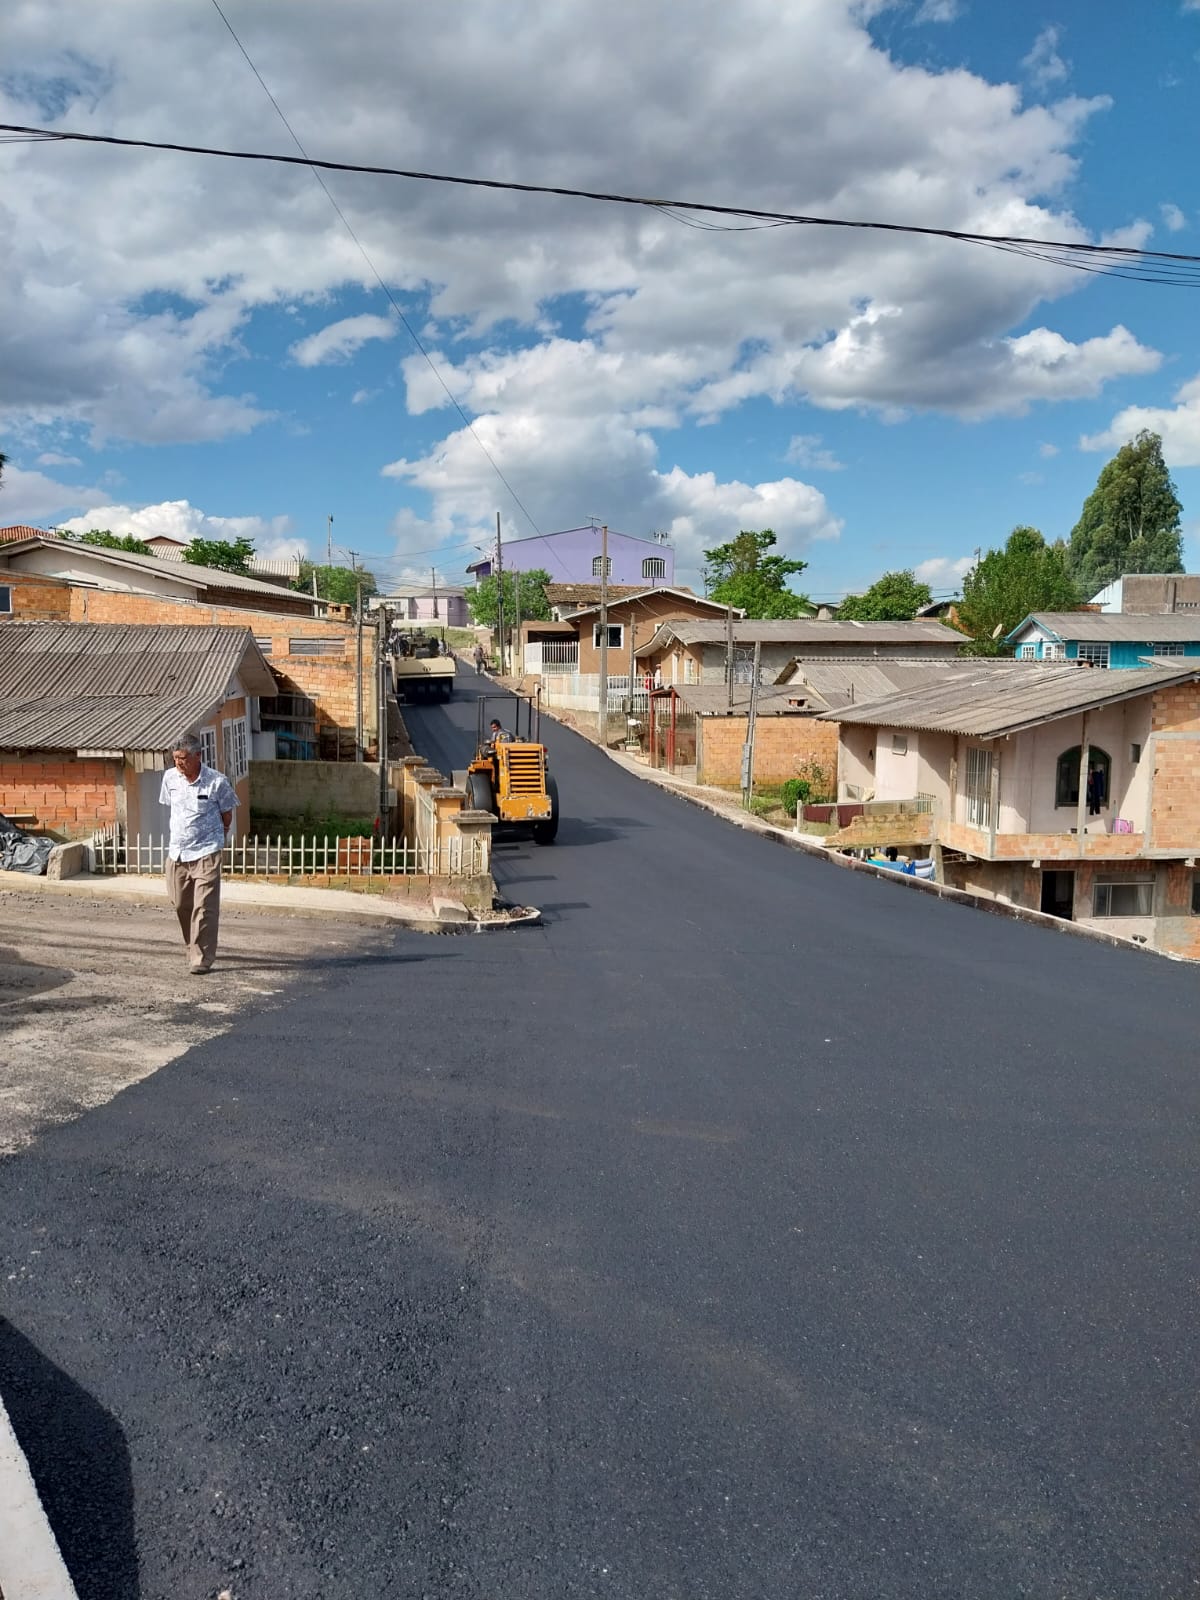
[856, 760]
[314, 789]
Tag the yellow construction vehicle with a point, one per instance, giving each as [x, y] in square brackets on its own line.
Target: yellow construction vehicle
[509, 776]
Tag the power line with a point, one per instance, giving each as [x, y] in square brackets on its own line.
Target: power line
[1148, 266]
[392, 301]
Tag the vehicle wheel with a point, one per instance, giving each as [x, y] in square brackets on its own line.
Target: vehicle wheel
[479, 792]
[546, 832]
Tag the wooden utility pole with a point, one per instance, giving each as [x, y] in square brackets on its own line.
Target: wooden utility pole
[358, 694]
[518, 659]
[433, 573]
[329, 540]
[500, 594]
[751, 717]
[382, 673]
[602, 714]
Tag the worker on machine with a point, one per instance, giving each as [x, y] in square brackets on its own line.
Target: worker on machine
[497, 733]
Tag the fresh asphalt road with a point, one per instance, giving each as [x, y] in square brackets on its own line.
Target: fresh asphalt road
[750, 1229]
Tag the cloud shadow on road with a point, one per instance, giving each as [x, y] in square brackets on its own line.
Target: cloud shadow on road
[80, 1463]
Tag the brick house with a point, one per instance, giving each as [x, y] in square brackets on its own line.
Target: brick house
[634, 616]
[1051, 787]
[694, 725]
[694, 652]
[315, 658]
[89, 712]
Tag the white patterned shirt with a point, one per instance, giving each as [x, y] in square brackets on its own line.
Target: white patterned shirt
[196, 826]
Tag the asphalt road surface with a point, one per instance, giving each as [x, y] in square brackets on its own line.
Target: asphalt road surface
[750, 1229]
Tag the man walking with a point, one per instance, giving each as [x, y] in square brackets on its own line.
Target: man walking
[201, 802]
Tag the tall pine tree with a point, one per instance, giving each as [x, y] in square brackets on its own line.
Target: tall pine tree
[1130, 521]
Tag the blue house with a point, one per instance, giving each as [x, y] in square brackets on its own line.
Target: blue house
[1104, 638]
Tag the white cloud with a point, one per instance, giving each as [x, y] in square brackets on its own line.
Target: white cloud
[805, 450]
[361, 396]
[1043, 64]
[1047, 451]
[1173, 218]
[1179, 426]
[943, 572]
[938, 11]
[177, 519]
[51, 458]
[34, 498]
[341, 340]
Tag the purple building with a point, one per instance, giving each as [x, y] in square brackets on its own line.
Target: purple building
[573, 556]
[422, 603]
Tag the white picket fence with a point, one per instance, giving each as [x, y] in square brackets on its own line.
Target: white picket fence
[300, 856]
[580, 691]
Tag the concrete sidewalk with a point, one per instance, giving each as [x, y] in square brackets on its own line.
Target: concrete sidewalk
[31, 1566]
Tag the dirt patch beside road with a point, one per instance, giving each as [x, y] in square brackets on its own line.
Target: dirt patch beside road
[95, 996]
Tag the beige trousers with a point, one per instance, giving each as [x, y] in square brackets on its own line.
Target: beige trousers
[195, 890]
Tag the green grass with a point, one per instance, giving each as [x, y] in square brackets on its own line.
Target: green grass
[327, 828]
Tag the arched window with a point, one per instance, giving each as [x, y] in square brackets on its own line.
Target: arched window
[656, 567]
[600, 569]
[1066, 780]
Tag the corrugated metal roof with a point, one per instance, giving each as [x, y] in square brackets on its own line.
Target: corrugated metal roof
[986, 705]
[1115, 627]
[100, 685]
[162, 566]
[808, 631]
[712, 699]
[845, 682]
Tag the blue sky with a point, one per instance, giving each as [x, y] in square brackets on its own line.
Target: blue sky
[193, 346]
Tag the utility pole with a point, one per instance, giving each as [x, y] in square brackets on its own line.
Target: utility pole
[382, 628]
[433, 570]
[748, 747]
[329, 540]
[358, 694]
[602, 715]
[517, 669]
[500, 594]
[729, 652]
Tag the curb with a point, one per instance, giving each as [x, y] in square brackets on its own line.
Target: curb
[31, 1565]
[795, 841]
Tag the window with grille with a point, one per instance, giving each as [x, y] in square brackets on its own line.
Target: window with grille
[1052, 651]
[654, 567]
[979, 787]
[1169, 648]
[5, 598]
[263, 644]
[237, 749]
[1124, 898]
[208, 746]
[601, 568]
[316, 647]
[1027, 652]
[1095, 655]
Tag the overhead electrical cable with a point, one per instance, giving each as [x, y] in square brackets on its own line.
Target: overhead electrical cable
[378, 276]
[1146, 266]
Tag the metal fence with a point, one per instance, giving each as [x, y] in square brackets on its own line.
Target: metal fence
[305, 855]
[580, 691]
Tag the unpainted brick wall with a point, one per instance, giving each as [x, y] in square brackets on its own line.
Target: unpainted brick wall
[70, 797]
[35, 599]
[782, 745]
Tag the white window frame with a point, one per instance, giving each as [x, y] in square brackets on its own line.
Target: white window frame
[1169, 647]
[1102, 897]
[617, 628]
[6, 599]
[978, 787]
[1053, 650]
[601, 567]
[208, 747]
[1027, 652]
[654, 567]
[1096, 654]
[236, 738]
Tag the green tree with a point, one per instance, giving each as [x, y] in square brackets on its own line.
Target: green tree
[229, 555]
[743, 573]
[113, 541]
[1130, 521]
[1027, 575]
[896, 597]
[339, 584]
[483, 600]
